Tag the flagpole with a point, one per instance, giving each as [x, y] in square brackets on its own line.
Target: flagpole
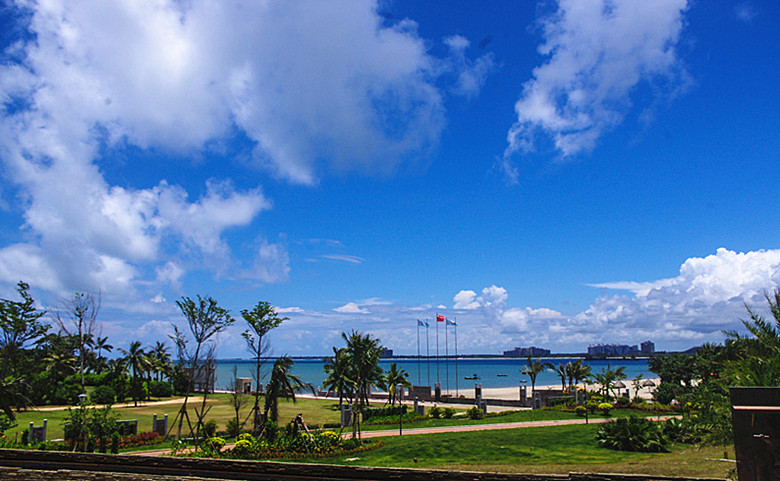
[437, 347]
[418, 352]
[427, 353]
[446, 356]
[456, 358]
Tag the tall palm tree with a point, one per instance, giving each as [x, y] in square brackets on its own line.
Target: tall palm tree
[339, 373]
[533, 369]
[282, 384]
[608, 376]
[758, 357]
[138, 361]
[161, 359]
[364, 351]
[393, 378]
[560, 370]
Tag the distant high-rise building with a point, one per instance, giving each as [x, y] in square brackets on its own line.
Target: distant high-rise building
[527, 351]
[648, 347]
[613, 349]
[386, 353]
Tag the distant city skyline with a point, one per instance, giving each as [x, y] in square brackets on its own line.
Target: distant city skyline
[553, 173]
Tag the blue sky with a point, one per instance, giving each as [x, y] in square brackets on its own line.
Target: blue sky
[558, 174]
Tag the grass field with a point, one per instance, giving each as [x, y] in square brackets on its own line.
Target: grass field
[559, 449]
[506, 417]
[315, 412]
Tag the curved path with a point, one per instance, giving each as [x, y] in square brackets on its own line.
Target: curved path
[488, 427]
[444, 429]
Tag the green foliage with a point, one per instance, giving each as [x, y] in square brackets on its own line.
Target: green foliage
[160, 389]
[210, 428]
[632, 434]
[592, 406]
[580, 411]
[435, 412]
[84, 425]
[395, 411]
[6, 423]
[103, 395]
[114, 443]
[605, 408]
[475, 413]
[448, 413]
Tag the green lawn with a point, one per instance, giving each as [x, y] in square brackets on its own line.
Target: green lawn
[506, 417]
[314, 411]
[559, 449]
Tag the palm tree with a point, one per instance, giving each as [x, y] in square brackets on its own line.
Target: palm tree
[580, 371]
[282, 384]
[339, 376]
[138, 361]
[364, 351]
[560, 370]
[533, 369]
[758, 357]
[160, 358]
[608, 376]
[393, 378]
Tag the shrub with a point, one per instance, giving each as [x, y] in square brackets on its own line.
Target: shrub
[209, 428]
[632, 434]
[5, 423]
[580, 410]
[605, 408]
[160, 389]
[591, 406]
[435, 412]
[233, 428]
[448, 412]
[103, 394]
[475, 413]
[215, 444]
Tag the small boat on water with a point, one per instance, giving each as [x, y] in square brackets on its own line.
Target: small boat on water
[474, 376]
[501, 375]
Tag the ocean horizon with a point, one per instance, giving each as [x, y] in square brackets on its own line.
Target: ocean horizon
[491, 372]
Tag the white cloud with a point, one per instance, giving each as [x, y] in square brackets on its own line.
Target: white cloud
[284, 310]
[312, 86]
[351, 308]
[597, 52]
[465, 300]
[343, 258]
[471, 75]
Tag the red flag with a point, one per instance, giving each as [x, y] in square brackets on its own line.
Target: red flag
[439, 318]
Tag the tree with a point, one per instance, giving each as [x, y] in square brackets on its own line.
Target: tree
[136, 358]
[77, 318]
[363, 352]
[237, 400]
[580, 372]
[608, 376]
[338, 369]
[160, 359]
[205, 320]
[393, 378]
[532, 370]
[20, 325]
[560, 370]
[282, 384]
[261, 319]
[757, 357]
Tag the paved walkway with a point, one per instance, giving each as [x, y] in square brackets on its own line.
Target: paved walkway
[488, 427]
[445, 429]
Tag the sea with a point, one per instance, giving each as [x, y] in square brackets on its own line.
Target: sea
[490, 372]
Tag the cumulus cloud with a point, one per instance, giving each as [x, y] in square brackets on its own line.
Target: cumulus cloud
[597, 52]
[310, 85]
[351, 308]
[707, 297]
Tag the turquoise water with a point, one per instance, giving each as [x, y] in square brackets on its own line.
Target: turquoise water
[488, 370]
